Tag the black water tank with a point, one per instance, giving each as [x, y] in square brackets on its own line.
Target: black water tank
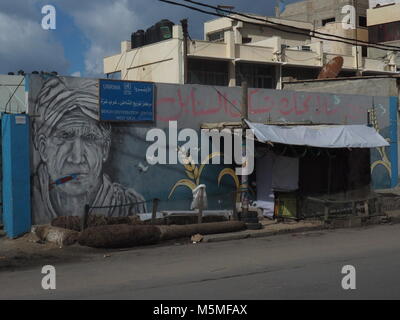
[133, 44]
[137, 39]
[164, 29]
[151, 35]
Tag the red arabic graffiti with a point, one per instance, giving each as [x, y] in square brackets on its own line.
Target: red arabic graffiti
[292, 103]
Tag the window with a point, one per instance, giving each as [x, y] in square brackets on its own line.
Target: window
[216, 36]
[362, 21]
[114, 75]
[246, 40]
[364, 51]
[299, 73]
[257, 75]
[208, 72]
[325, 21]
[384, 32]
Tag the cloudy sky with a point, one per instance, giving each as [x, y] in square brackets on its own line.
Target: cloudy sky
[88, 30]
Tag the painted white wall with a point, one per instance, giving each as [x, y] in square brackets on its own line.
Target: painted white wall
[8, 84]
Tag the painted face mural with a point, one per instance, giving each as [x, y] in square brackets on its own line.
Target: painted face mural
[75, 148]
[71, 147]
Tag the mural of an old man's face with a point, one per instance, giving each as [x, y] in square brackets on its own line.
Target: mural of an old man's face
[71, 146]
[76, 147]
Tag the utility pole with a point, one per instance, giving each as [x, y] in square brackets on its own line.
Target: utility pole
[356, 37]
[244, 178]
[277, 8]
[184, 24]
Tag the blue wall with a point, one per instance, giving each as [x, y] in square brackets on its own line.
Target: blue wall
[393, 141]
[16, 174]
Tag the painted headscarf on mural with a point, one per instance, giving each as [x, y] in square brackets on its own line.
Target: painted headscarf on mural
[71, 146]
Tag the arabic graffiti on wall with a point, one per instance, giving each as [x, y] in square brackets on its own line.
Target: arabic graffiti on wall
[262, 103]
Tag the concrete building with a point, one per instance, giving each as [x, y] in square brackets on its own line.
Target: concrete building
[232, 50]
[327, 17]
[320, 13]
[384, 27]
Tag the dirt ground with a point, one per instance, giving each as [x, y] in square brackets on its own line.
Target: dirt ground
[28, 252]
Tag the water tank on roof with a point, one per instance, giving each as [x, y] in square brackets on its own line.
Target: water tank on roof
[133, 44]
[164, 29]
[151, 35]
[138, 39]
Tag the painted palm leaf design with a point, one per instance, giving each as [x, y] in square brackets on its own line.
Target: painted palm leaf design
[194, 172]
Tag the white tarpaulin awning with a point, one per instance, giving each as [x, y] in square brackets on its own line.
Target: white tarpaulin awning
[321, 136]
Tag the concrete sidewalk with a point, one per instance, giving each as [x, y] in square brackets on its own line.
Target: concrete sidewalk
[270, 228]
[393, 216]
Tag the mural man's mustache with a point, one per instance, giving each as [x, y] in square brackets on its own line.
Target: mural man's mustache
[63, 180]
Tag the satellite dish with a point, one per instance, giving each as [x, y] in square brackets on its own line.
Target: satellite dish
[332, 68]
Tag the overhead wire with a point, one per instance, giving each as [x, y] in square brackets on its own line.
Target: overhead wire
[5, 109]
[351, 41]
[292, 27]
[130, 65]
[119, 60]
[158, 64]
[226, 99]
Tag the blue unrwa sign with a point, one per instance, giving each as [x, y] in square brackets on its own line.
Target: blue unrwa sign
[126, 101]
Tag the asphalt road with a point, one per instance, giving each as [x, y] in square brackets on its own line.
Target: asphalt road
[294, 266]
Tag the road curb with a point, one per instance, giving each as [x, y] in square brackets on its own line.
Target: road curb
[258, 234]
[286, 231]
[212, 238]
[268, 233]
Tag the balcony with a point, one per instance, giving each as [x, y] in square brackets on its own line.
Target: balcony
[206, 49]
[250, 53]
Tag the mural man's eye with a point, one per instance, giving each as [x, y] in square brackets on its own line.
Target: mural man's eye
[90, 137]
[65, 135]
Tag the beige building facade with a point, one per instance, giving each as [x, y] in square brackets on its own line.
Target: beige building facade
[384, 27]
[232, 51]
